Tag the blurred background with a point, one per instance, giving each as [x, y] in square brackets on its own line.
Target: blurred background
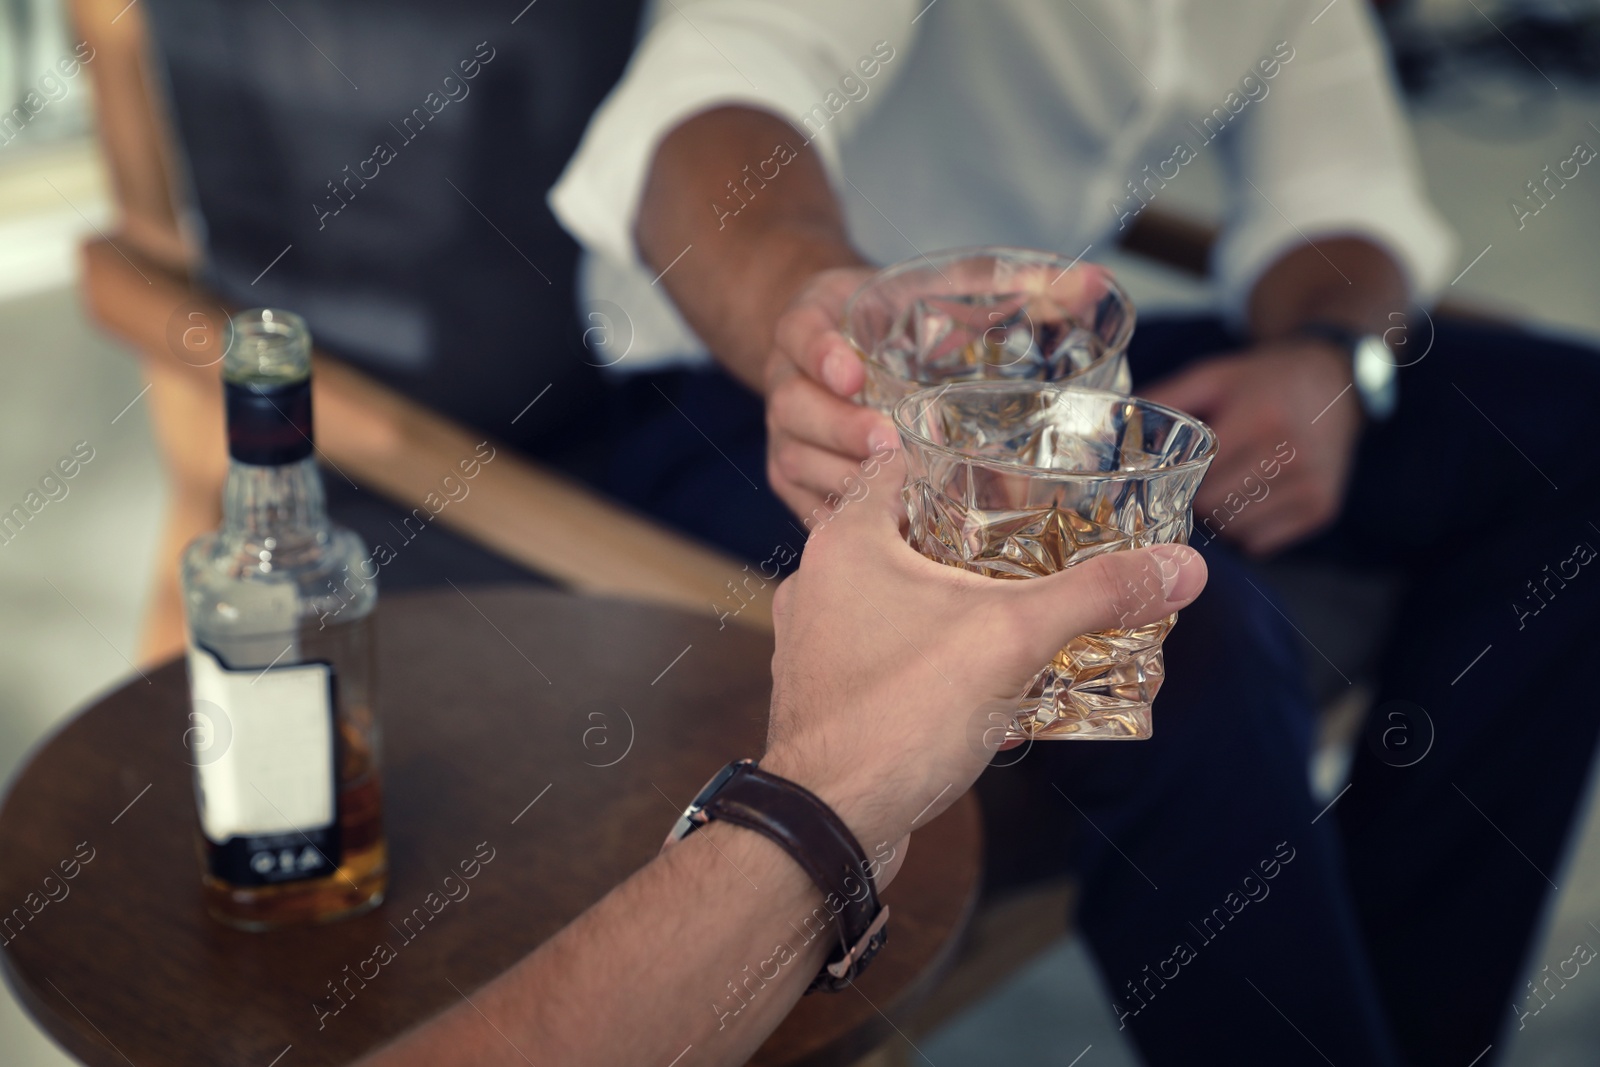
[1495, 90]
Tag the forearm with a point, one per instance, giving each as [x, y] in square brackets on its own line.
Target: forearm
[705, 946]
[1345, 280]
[751, 247]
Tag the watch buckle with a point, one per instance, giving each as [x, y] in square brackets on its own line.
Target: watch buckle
[845, 966]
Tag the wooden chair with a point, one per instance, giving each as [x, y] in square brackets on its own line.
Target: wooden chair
[138, 286]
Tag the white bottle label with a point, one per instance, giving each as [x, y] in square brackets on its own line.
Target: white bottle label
[262, 742]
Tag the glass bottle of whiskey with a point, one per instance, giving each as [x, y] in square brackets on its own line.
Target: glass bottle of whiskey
[279, 600]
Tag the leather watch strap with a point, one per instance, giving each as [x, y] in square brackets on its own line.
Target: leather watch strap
[1372, 365]
[818, 840]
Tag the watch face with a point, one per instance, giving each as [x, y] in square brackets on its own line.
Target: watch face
[690, 817]
[1374, 372]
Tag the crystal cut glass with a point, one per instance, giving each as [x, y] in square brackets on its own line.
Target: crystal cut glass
[987, 313]
[1023, 479]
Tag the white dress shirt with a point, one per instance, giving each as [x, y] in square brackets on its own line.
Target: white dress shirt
[1044, 123]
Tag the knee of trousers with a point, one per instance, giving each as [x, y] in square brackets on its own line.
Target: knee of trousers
[1233, 721]
[1234, 659]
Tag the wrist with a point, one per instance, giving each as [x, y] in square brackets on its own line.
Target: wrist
[791, 253]
[1362, 287]
[785, 262]
[869, 809]
[1365, 363]
[1326, 350]
[1320, 320]
[757, 285]
[811, 831]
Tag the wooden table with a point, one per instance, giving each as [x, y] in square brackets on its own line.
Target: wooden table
[562, 733]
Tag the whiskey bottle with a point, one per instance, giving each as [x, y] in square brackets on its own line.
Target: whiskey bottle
[282, 734]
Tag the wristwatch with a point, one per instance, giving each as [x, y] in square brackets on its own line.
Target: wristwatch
[1371, 363]
[808, 830]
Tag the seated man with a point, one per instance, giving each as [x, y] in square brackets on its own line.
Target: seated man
[756, 156]
[685, 954]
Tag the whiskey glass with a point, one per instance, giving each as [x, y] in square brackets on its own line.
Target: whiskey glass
[1023, 479]
[988, 313]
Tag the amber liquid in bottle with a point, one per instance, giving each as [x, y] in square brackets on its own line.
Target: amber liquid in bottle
[279, 601]
[357, 886]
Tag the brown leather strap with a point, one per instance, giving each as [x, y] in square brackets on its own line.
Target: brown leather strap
[808, 830]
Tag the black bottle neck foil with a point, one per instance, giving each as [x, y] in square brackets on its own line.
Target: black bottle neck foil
[268, 425]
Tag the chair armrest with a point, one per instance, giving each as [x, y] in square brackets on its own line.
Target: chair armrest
[132, 130]
[386, 442]
[1175, 241]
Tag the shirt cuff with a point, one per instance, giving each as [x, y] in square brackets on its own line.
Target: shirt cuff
[1393, 215]
[679, 71]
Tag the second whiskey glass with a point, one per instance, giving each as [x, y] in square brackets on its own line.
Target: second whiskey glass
[989, 313]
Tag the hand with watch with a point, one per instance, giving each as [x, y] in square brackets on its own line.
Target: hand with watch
[875, 723]
[807, 829]
[1373, 370]
[886, 669]
[1288, 413]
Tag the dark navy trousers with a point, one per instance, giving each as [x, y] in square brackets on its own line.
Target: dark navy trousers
[1231, 920]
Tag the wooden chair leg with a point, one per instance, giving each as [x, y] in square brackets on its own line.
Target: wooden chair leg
[186, 413]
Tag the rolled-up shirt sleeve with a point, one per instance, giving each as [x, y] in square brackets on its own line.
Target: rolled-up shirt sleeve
[785, 56]
[1328, 153]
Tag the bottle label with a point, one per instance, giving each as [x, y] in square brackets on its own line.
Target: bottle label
[264, 743]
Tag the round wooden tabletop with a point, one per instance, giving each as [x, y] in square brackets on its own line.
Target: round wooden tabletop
[557, 735]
